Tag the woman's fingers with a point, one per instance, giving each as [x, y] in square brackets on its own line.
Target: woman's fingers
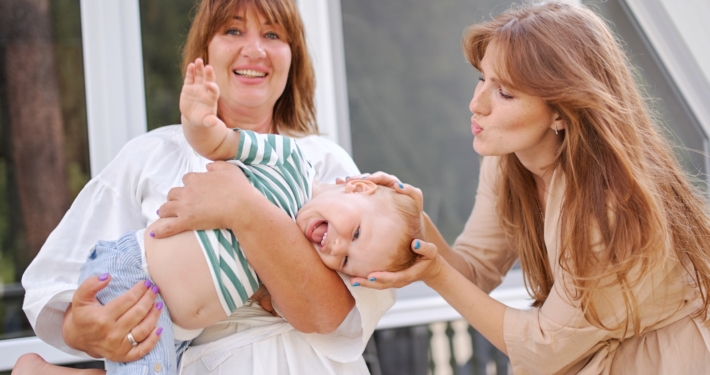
[424, 267]
[169, 226]
[126, 301]
[149, 324]
[86, 292]
[221, 166]
[391, 181]
[101, 330]
[425, 249]
[144, 347]
[137, 311]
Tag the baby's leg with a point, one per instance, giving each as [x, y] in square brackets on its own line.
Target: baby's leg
[179, 266]
[123, 260]
[33, 364]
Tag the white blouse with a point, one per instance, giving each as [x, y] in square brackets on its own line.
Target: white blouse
[126, 195]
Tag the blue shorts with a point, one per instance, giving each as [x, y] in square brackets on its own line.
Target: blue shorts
[123, 260]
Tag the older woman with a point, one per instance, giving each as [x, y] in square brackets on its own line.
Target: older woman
[258, 53]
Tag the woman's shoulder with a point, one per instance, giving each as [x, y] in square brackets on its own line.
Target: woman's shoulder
[167, 136]
[151, 150]
[329, 159]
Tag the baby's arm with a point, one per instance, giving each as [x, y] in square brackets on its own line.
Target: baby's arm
[206, 133]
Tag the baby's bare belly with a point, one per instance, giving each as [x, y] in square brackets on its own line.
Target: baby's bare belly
[177, 265]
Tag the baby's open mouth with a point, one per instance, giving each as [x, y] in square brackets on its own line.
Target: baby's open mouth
[319, 233]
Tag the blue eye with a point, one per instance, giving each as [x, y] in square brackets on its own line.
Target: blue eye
[233, 32]
[271, 35]
[357, 234]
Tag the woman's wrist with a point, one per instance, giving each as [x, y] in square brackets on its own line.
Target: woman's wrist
[436, 272]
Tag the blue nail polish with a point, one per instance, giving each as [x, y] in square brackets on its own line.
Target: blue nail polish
[346, 177]
[417, 245]
[400, 185]
[356, 284]
[372, 279]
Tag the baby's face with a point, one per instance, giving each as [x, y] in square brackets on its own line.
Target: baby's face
[353, 230]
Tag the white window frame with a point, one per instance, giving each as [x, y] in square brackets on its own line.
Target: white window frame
[116, 113]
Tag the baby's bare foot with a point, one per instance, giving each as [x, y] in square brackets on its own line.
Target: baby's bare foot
[33, 364]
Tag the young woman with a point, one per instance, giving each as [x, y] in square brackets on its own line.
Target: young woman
[579, 186]
[266, 82]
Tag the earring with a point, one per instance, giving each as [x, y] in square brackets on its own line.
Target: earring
[556, 130]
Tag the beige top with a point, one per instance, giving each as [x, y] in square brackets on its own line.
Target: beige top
[556, 338]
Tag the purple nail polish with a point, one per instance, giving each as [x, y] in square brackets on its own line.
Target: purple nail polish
[152, 234]
[103, 276]
[156, 289]
[157, 212]
[147, 283]
[159, 331]
[159, 305]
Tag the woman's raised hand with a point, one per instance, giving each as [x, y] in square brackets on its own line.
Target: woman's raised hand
[425, 268]
[102, 331]
[207, 201]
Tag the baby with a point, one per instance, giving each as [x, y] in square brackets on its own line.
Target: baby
[356, 228]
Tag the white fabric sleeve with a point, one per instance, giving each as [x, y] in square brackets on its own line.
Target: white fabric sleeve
[110, 205]
[348, 342]
[51, 279]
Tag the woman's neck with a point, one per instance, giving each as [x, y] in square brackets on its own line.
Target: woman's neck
[539, 162]
[254, 119]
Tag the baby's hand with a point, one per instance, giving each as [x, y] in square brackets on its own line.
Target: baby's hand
[198, 99]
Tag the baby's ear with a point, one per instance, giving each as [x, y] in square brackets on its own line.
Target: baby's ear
[361, 187]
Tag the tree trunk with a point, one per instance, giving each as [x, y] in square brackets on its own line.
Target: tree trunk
[35, 119]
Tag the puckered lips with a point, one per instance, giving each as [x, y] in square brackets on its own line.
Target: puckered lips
[318, 234]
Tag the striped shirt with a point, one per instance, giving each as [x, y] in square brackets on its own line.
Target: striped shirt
[276, 167]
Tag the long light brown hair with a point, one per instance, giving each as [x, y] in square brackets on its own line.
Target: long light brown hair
[628, 205]
[294, 111]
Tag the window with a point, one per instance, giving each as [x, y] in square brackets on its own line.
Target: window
[44, 159]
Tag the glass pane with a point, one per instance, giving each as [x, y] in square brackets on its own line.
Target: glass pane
[164, 26]
[44, 158]
[678, 121]
[409, 87]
